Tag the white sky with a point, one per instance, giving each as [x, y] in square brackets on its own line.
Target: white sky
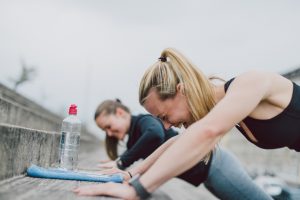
[91, 50]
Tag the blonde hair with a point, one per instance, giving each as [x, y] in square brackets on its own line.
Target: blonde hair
[172, 69]
[109, 107]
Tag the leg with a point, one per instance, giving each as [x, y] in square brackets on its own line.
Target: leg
[227, 179]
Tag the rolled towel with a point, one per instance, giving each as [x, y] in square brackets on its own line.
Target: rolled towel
[58, 173]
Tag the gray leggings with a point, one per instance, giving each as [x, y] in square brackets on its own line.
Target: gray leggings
[227, 179]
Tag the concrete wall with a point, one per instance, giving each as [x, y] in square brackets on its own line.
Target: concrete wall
[20, 147]
[30, 134]
[13, 96]
[17, 114]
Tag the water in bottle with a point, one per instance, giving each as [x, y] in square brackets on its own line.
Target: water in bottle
[70, 140]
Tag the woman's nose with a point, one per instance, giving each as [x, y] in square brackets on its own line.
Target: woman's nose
[109, 133]
[167, 125]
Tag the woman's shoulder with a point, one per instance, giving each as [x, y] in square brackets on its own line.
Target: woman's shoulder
[268, 85]
[257, 75]
[147, 118]
[255, 78]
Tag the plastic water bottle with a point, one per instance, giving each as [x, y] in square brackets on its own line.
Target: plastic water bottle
[70, 140]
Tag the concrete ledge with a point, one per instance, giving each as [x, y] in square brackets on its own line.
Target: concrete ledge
[36, 189]
[16, 114]
[20, 147]
[27, 188]
[13, 96]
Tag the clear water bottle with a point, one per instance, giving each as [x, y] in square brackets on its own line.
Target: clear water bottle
[70, 140]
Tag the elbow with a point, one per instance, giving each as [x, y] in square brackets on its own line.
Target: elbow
[173, 139]
[212, 132]
[156, 140]
[209, 132]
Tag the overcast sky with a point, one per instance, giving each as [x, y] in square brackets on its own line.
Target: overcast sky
[91, 50]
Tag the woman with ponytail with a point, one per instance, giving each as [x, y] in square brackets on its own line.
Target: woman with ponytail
[263, 106]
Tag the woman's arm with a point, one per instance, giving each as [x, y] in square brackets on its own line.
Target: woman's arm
[146, 164]
[243, 96]
[146, 138]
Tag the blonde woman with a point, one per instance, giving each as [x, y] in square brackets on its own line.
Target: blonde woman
[264, 106]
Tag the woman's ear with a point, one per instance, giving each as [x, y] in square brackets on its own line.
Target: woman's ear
[180, 88]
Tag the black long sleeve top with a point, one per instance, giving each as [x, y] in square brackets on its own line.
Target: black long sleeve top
[146, 134]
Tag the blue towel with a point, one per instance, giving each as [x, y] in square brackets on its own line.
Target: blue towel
[57, 173]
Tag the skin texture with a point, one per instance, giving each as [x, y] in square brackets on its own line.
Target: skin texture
[256, 94]
[165, 110]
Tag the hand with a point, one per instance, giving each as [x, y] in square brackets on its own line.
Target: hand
[123, 191]
[105, 161]
[107, 165]
[115, 170]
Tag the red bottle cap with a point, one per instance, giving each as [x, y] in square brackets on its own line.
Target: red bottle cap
[73, 109]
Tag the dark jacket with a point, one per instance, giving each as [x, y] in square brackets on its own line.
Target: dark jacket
[146, 134]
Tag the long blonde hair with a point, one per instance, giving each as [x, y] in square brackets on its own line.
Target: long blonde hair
[109, 107]
[172, 69]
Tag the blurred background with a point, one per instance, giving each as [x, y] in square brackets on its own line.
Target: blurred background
[59, 52]
[62, 52]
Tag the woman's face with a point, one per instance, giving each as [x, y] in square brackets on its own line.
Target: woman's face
[172, 112]
[115, 125]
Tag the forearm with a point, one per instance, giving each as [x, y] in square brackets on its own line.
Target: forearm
[188, 150]
[146, 164]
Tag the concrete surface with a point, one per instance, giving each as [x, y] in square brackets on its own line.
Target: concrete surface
[19, 147]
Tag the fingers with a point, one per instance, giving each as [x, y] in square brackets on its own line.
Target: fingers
[114, 170]
[91, 190]
[107, 165]
[111, 171]
[105, 161]
[103, 166]
[123, 191]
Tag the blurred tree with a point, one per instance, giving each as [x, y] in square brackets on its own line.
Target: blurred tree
[28, 73]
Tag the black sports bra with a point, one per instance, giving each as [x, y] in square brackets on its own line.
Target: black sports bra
[283, 130]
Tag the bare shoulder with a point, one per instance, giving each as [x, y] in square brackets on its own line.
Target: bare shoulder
[261, 76]
[252, 82]
[271, 79]
[276, 87]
